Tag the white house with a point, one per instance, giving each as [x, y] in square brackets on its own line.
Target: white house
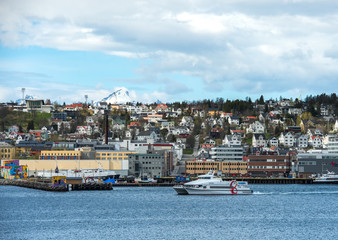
[232, 140]
[302, 141]
[315, 142]
[147, 135]
[335, 128]
[256, 127]
[179, 130]
[273, 141]
[314, 132]
[154, 118]
[295, 111]
[166, 124]
[258, 140]
[186, 121]
[287, 139]
[284, 103]
[179, 111]
[84, 129]
[233, 120]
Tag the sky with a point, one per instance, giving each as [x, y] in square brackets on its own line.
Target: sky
[170, 51]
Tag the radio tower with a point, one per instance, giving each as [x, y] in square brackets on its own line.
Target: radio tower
[23, 95]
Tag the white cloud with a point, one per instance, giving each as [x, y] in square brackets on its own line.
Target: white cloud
[5, 93]
[154, 96]
[239, 44]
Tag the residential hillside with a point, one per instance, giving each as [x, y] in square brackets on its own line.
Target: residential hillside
[214, 131]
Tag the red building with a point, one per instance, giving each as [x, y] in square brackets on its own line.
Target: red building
[269, 165]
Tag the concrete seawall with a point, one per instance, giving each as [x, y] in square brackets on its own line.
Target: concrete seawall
[47, 186]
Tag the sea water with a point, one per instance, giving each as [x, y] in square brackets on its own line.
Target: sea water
[272, 212]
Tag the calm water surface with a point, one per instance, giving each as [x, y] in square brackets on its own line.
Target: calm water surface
[272, 212]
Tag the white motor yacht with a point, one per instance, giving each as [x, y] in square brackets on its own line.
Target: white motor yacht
[209, 185]
[329, 177]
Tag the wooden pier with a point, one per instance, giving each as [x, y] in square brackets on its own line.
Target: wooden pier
[46, 185]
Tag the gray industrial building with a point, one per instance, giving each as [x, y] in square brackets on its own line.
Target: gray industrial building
[151, 163]
[147, 164]
[316, 162]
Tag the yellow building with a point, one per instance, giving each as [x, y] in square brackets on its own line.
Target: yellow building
[22, 151]
[228, 168]
[213, 112]
[50, 165]
[60, 155]
[112, 155]
[7, 151]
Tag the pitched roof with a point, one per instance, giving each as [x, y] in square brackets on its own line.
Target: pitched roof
[145, 133]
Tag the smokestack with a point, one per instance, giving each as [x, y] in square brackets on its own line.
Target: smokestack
[106, 130]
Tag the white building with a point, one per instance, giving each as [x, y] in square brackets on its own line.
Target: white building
[233, 120]
[227, 153]
[287, 139]
[273, 142]
[335, 128]
[333, 143]
[315, 142]
[256, 127]
[302, 141]
[258, 140]
[84, 130]
[186, 121]
[147, 135]
[232, 140]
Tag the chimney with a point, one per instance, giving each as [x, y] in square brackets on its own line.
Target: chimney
[107, 126]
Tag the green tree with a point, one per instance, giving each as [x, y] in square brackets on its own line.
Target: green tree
[190, 143]
[171, 138]
[30, 125]
[197, 126]
[164, 133]
[261, 100]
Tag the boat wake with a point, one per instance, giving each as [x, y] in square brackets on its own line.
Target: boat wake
[294, 193]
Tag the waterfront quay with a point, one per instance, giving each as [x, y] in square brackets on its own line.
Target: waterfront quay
[46, 185]
[171, 181]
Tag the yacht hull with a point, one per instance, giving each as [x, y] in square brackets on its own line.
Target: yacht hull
[180, 190]
[183, 190]
[218, 192]
[326, 181]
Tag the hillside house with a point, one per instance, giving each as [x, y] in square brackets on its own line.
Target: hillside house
[315, 142]
[256, 127]
[233, 120]
[142, 136]
[273, 142]
[232, 140]
[258, 140]
[287, 139]
[302, 141]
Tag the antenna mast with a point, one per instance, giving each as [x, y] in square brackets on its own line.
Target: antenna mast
[23, 93]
